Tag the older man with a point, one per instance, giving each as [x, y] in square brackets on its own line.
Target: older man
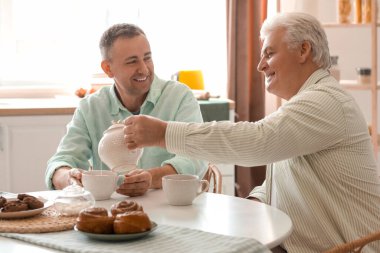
[322, 170]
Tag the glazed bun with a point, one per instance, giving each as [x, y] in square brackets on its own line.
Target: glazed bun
[132, 222]
[125, 206]
[95, 220]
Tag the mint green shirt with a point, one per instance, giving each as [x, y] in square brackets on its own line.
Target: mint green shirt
[167, 100]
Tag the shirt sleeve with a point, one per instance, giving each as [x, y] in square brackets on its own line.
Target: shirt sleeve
[74, 156]
[188, 111]
[304, 126]
[259, 192]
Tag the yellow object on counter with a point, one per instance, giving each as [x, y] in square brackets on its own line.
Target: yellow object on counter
[192, 78]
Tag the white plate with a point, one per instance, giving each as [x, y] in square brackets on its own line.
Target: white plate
[24, 214]
[117, 237]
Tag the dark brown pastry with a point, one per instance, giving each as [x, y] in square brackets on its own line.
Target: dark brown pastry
[95, 220]
[132, 222]
[14, 206]
[125, 206]
[2, 201]
[33, 202]
[21, 196]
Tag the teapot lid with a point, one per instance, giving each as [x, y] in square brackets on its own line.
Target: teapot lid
[73, 190]
[72, 199]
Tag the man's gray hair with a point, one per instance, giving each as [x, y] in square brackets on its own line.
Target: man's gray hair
[114, 32]
[300, 27]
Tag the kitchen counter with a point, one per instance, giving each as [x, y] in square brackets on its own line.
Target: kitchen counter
[38, 106]
[64, 105]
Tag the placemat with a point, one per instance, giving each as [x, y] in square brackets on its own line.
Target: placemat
[164, 239]
[48, 221]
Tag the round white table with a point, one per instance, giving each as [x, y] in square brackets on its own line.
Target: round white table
[215, 213]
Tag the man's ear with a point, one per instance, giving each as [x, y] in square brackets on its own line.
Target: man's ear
[106, 68]
[306, 51]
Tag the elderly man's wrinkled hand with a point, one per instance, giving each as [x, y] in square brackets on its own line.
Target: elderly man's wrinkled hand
[136, 183]
[144, 131]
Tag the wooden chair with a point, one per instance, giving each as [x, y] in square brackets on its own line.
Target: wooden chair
[214, 177]
[355, 246]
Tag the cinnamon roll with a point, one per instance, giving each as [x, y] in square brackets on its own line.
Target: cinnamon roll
[95, 220]
[125, 206]
[132, 222]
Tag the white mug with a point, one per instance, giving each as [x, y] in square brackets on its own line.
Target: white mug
[101, 183]
[181, 190]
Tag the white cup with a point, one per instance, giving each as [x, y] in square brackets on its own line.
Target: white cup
[181, 190]
[101, 183]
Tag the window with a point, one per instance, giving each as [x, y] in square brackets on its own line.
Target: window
[54, 43]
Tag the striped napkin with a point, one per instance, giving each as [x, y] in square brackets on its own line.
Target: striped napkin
[165, 239]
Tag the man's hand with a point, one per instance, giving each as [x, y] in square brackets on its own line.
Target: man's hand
[136, 183]
[66, 176]
[144, 131]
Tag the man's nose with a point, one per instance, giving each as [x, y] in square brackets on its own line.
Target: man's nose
[142, 68]
[262, 65]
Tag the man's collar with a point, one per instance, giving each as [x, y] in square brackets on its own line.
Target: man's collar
[153, 95]
[314, 78]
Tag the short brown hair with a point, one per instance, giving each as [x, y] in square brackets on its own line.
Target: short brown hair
[114, 32]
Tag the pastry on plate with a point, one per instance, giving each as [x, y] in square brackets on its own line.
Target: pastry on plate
[95, 220]
[125, 206]
[33, 202]
[2, 201]
[14, 206]
[132, 222]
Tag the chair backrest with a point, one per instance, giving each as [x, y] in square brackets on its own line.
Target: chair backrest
[214, 177]
[355, 246]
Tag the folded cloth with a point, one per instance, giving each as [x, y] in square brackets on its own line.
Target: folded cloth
[165, 239]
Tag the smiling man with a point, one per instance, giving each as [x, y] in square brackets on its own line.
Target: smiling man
[127, 59]
[321, 166]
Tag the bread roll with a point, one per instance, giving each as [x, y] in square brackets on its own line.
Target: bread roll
[95, 220]
[125, 206]
[132, 222]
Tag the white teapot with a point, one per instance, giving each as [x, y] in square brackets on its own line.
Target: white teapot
[114, 152]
